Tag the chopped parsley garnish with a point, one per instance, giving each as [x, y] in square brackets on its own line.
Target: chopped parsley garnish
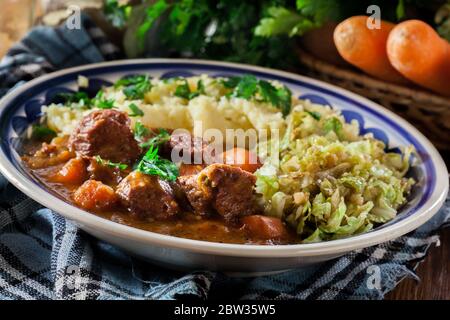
[183, 90]
[231, 82]
[42, 132]
[313, 114]
[135, 87]
[100, 102]
[200, 87]
[248, 87]
[140, 131]
[108, 163]
[135, 110]
[162, 137]
[152, 164]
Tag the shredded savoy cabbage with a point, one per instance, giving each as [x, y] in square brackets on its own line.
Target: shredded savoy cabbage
[327, 181]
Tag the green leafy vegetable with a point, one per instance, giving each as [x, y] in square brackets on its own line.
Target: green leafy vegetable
[364, 187]
[108, 163]
[42, 132]
[117, 14]
[135, 110]
[135, 86]
[152, 164]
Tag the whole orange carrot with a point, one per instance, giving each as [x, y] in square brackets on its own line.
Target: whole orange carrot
[366, 48]
[417, 52]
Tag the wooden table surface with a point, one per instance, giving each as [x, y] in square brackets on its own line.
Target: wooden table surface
[434, 271]
[434, 274]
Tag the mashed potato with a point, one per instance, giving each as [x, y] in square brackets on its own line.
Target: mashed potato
[163, 109]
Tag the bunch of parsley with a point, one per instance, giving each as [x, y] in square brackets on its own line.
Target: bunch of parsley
[210, 29]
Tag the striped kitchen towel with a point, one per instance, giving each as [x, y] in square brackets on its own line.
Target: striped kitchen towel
[44, 256]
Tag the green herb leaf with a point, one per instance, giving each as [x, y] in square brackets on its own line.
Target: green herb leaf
[108, 163]
[101, 102]
[249, 87]
[140, 131]
[200, 87]
[279, 97]
[314, 114]
[162, 137]
[183, 90]
[135, 87]
[246, 87]
[116, 13]
[135, 111]
[282, 21]
[231, 82]
[285, 100]
[42, 132]
[151, 164]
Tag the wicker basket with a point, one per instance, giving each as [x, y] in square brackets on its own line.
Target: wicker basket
[428, 112]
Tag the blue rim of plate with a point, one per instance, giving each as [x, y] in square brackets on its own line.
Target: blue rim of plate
[177, 67]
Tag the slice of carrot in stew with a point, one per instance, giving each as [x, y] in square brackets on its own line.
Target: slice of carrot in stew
[242, 158]
[93, 194]
[73, 172]
[265, 228]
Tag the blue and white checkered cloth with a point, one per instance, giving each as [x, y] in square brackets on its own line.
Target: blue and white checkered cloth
[44, 256]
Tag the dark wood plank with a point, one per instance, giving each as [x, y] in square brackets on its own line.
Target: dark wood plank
[434, 273]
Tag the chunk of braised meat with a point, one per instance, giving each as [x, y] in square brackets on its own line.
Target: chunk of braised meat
[94, 195]
[190, 169]
[147, 196]
[199, 200]
[190, 149]
[265, 228]
[107, 174]
[226, 189]
[105, 133]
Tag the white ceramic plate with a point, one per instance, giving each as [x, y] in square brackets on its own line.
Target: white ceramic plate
[22, 107]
